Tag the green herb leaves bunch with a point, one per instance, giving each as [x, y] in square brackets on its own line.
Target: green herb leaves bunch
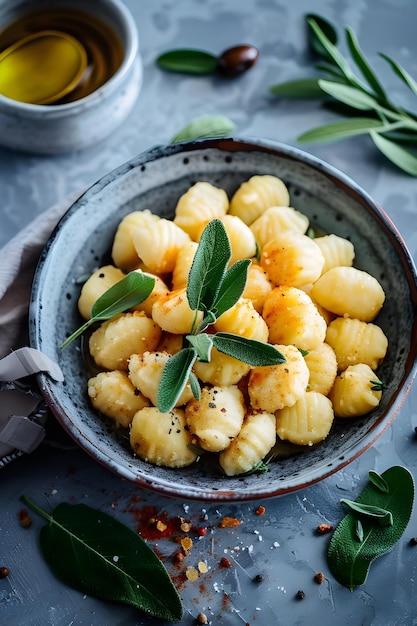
[376, 520]
[212, 288]
[360, 96]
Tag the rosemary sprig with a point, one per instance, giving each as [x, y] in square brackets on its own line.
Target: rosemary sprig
[360, 96]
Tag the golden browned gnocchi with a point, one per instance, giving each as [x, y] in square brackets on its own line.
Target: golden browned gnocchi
[354, 341]
[258, 286]
[158, 243]
[197, 206]
[277, 220]
[173, 313]
[256, 195]
[222, 369]
[302, 295]
[112, 344]
[217, 417]
[349, 291]
[145, 371]
[242, 319]
[292, 318]
[292, 259]
[254, 441]
[322, 367]
[113, 395]
[94, 287]
[355, 391]
[306, 422]
[274, 386]
[336, 251]
[162, 438]
[124, 252]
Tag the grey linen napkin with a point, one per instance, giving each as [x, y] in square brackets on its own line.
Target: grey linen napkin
[23, 412]
[19, 258]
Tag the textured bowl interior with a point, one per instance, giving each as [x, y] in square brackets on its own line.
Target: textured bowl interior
[155, 180]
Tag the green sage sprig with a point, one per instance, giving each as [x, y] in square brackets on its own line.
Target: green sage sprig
[212, 288]
[376, 521]
[362, 98]
[127, 293]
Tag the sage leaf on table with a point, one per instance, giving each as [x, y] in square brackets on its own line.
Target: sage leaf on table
[351, 553]
[388, 125]
[133, 289]
[98, 555]
[188, 61]
[203, 127]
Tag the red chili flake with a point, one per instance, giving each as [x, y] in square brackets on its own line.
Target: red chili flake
[323, 529]
[260, 510]
[4, 572]
[201, 531]
[152, 525]
[24, 518]
[229, 522]
[224, 562]
[319, 578]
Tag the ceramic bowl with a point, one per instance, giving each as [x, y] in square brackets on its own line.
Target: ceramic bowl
[155, 180]
[59, 128]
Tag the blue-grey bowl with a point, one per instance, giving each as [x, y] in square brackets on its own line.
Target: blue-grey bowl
[155, 180]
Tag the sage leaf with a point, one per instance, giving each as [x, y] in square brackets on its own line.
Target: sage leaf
[350, 560]
[379, 482]
[208, 267]
[381, 516]
[175, 376]
[401, 157]
[210, 126]
[127, 293]
[363, 64]
[327, 29]
[232, 286]
[255, 353]
[98, 555]
[195, 387]
[340, 130]
[401, 72]
[188, 61]
[303, 88]
[202, 344]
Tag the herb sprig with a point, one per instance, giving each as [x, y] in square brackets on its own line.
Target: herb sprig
[212, 289]
[376, 520]
[363, 98]
[127, 293]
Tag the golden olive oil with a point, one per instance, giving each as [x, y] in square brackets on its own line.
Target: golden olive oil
[104, 49]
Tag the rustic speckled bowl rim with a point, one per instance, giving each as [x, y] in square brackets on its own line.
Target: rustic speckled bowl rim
[260, 488]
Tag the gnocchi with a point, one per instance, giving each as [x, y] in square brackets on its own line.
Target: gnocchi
[303, 296]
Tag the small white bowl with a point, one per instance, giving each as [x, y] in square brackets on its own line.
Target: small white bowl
[51, 129]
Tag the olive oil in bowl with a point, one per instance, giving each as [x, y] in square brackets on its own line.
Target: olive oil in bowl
[104, 48]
